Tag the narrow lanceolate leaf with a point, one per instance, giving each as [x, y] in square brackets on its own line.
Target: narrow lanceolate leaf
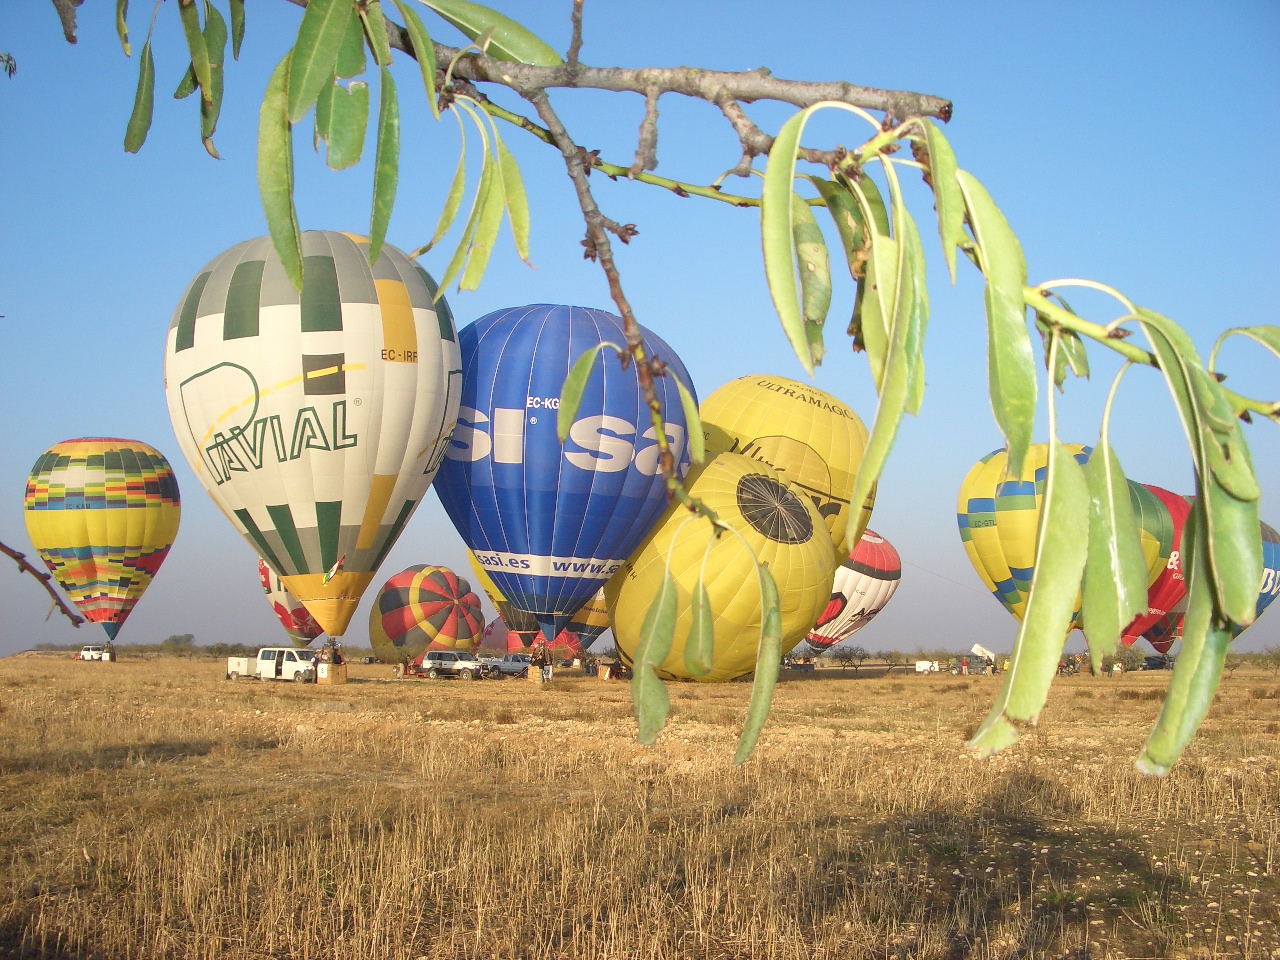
[815, 273]
[275, 173]
[1198, 668]
[122, 29]
[657, 633]
[351, 60]
[918, 304]
[486, 234]
[516, 199]
[571, 393]
[1011, 367]
[237, 27]
[187, 85]
[777, 234]
[386, 168]
[348, 123]
[135, 133]
[508, 40]
[315, 52]
[1059, 564]
[424, 52]
[453, 201]
[878, 303]
[1268, 336]
[215, 39]
[947, 197]
[375, 28]
[195, 43]
[693, 422]
[1115, 573]
[768, 662]
[699, 646]
[463, 250]
[1224, 468]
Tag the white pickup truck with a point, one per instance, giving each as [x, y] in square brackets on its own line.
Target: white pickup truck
[275, 663]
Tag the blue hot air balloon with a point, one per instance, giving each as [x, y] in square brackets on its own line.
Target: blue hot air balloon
[551, 523]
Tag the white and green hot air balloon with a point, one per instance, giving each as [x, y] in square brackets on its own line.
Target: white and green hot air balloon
[316, 420]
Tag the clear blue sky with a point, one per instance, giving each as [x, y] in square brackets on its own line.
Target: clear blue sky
[1130, 143]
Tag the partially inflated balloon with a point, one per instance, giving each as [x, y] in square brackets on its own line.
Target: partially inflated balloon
[316, 420]
[591, 620]
[550, 522]
[864, 583]
[1169, 586]
[424, 608]
[293, 616]
[808, 436]
[102, 513]
[784, 531]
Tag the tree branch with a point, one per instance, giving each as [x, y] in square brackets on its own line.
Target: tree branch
[25, 566]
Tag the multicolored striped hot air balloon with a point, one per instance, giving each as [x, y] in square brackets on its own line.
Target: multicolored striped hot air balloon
[864, 583]
[783, 529]
[1169, 587]
[424, 608]
[551, 522]
[808, 436]
[315, 420]
[293, 616]
[102, 513]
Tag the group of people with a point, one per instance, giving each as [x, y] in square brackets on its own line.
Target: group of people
[979, 666]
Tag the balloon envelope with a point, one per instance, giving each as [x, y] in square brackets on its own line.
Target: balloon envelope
[293, 616]
[864, 583]
[315, 420]
[551, 523]
[808, 436]
[102, 513]
[424, 608]
[520, 623]
[783, 529]
[1169, 587]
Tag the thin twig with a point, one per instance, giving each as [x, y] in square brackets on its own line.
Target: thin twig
[647, 149]
[575, 45]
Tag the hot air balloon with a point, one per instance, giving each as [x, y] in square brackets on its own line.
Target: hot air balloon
[591, 620]
[102, 513]
[293, 616]
[316, 420]
[1167, 630]
[808, 436]
[521, 625]
[424, 608]
[783, 529]
[552, 523]
[864, 583]
[1169, 586]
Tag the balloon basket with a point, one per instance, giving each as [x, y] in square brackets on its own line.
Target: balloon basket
[331, 673]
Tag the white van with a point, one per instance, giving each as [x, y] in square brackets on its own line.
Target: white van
[275, 663]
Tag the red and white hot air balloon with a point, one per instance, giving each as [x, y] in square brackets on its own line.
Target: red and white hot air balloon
[863, 584]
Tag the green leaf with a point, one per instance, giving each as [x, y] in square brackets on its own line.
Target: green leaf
[1059, 564]
[488, 176]
[457, 190]
[486, 234]
[1115, 573]
[918, 304]
[699, 646]
[375, 28]
[199, 52]
[516, 199]
[351, 60]
[237, 27]
[122, 29]
[1011, 368]
[777, 234]
[275, 173]
[693, 422]
[947, 197]
[386, 168]
[1267, 336]
[187, 85]
[1071, 352]
[424, 52]
[315, 52]
[768, 661]
[878, 303]
[815, 273]
[847, 217]
[135, 133]
[875, 202]
[1198, 668]
[657, 633]
[215, 39]
[571, 393]
[324, 115]
[348, 123]
[508, 40]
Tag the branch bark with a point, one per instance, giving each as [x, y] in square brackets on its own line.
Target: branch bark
[25, 566]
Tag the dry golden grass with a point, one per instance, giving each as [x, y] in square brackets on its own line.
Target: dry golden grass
[152, 809]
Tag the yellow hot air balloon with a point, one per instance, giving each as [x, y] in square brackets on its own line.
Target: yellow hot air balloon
[808, 436]
[998, 519]
[315, 420]
[784, 530]
[102, 513]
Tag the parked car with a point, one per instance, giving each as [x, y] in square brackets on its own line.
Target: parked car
[509, 665]
[92, 651]
[438, 664]
[275, 663]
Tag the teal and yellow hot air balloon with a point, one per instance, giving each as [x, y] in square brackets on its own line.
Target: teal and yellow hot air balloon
[102, 513]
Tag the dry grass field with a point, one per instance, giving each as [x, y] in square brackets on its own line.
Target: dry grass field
[153, 809]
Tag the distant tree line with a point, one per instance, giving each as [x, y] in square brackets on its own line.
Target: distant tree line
[184, 645]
